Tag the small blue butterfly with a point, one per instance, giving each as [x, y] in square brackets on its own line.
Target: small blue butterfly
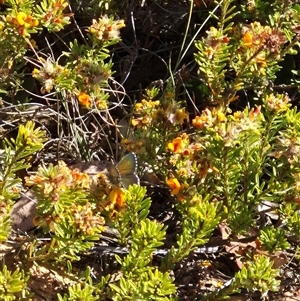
[124, 173]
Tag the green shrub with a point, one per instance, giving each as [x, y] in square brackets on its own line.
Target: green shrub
[222, 154]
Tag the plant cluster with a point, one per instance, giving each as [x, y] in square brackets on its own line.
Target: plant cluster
[223, 155]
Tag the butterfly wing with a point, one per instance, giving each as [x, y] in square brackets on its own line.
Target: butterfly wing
[128, 164]
[114, 175]
[128, 180]
[127, 169]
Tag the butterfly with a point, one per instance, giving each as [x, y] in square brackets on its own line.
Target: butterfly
[124, 173]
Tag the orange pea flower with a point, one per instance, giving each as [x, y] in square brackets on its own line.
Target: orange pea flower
[174, 184]
[117, 197]
[247, 38]
[84, 99]
[175, 145]
[200, 122]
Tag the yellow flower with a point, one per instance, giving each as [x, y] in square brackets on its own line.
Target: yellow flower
[21, 17]
[136, 122]
[200, 122]
[35, 72]
[138, 107]
[26, 20]
[101, 104]
[221, 116]
[84, 99]
[117, 197]
[238, 116]
[174, 184]
[179, 144]
[261, 59]
[182, 172]
[181, 115]
[155, 103]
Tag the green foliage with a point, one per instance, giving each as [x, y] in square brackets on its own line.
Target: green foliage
[212, 62]
[273, 239]
[258, 275]
[80, 292]
[84, 73]
[140, 280]
[198, 221]
[13, 158]
[84, 289]
[289, 212]
[225, 143]
[151, 285]
[146, 237]
[18, 23]
[13, 285]
[249, 54]
[137, 210]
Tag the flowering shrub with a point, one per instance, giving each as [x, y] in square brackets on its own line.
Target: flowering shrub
[219, 145]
